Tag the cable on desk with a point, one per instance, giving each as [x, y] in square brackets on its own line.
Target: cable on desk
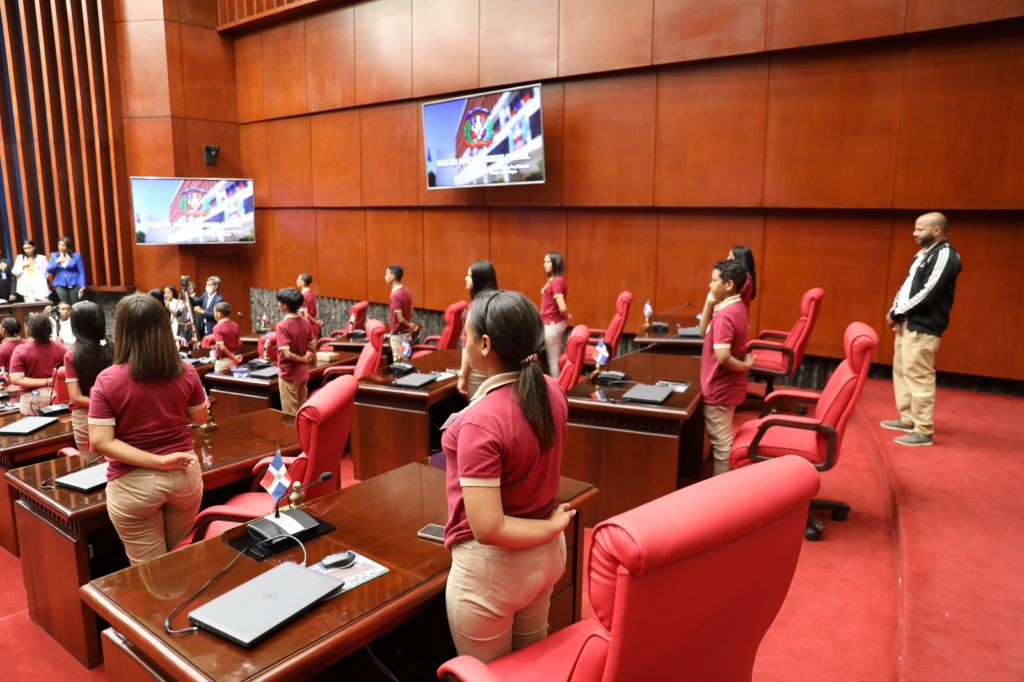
[380, 665]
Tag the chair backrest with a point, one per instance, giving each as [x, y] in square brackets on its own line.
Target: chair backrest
[267, 346]
[322, 425]
[372, 353]
[690, 582]
[452, 325]
[841, 392]
[800, 334]
[60, 386]
[618, 323]
[357, 315]
[575, 354]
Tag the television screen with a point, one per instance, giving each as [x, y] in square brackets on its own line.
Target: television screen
[488, 138]
[193, 211]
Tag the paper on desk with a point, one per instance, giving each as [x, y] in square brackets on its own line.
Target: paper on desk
[361, 571]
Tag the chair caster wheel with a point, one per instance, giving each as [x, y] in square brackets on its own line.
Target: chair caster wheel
[839, 514]
[812, 534]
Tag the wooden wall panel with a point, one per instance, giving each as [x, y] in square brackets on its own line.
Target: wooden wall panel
[149, 147]
[534, 43]
[453, 239]
[341, 253]
[208, 63]
[225, 135]
[175, 68]
[711, 128]
[331, 54]
[249, 76]
[550, 193]
[289, 162]
[262, 254]
[394, 236]
[198, 12]
[143, 65]
[284, 64]
[609, 141]
[388, 156]
[609, 252]
[697, 29]
[846, 255]
[142, 10]
[157, 266]
[294, 243]
[519, 240]
[446, 46]
[792, 23]
[837, 148]
[965, 99]
[924, 15]
[383, 51]
[336, 158]
[602, 35]
[689, 244]
[252, 140]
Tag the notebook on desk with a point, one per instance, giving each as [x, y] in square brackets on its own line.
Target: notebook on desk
[259, 607]
[26, 425]
[688, 332]
[416, 380]
[265, 373]
[85, 480]
[646, 393]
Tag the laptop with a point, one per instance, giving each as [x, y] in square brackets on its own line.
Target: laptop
[646, 393]
[85, 480]
[259, 607]
[265, 373]
[415, 380]
[26, 425]
[688, 332]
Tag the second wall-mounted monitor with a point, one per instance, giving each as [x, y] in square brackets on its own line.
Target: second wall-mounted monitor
[485, 139]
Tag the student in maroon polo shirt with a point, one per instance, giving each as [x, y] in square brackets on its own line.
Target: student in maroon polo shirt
[308, 310]
[139, 413]
[10, 332]
[554, 311]
[504, 457]
[400, 302]
[91, 354]
[723, 376]
[227, 336]
[296, 351]
[480, 277]
[34, 364]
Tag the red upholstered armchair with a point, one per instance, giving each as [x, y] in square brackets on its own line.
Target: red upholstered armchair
[266, 347]
[60, 387]
[322, 425]
[356, 320]
[817, 438]
[613, 333]
[571, 362]
[683, 587]
[449, 337]
[778, 353]
[370, 357]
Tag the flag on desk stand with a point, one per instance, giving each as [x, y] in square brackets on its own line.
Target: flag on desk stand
[406, 347]
[648, 310]
[601, 354]
[276, 480]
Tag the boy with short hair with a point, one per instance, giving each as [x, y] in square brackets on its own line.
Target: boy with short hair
[723, 376]
[227, 335]
[296, 345]
[402, 327]
[304, 283]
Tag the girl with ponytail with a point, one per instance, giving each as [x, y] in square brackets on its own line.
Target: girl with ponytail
[504, 459]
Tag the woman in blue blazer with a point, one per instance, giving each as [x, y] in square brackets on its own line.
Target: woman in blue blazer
[68, 272]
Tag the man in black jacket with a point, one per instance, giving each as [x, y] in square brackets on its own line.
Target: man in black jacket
[918, 316]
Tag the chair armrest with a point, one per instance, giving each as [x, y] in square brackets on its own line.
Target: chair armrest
[467, 668]
[218, 512]
[337, 371]
[771, 345]
[772, 334]
[792, 422]
[597, 333]
[788, 401]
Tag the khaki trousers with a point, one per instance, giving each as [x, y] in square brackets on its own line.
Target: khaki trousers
[498, 599]
[913, 379]
[220, 364]
[30, 404]
[152, 510]
[80, 427]
[292, 395]
[553, 332]
[718, 422]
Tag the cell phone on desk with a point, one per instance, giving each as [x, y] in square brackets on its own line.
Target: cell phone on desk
[431, 531]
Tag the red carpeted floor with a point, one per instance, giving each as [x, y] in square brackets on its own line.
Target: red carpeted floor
[922, 582]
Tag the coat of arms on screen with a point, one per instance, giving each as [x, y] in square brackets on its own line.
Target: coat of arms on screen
[193, 202]
[478, 128]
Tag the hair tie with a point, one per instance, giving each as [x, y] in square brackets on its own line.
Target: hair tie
[532, 357]
[103, 342]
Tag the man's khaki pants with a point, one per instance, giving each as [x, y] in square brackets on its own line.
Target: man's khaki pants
[913, 379]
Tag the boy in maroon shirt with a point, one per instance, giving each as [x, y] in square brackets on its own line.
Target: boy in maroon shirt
[303, 283]
[296, 351]
[402, 326]
[228, 336]
[723, 376]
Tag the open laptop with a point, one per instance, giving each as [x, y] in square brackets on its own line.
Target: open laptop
[259, 607]
[265, 373]
[26, 425]
[415, 380]
[85, 480]
[688, 332]
[647, 393]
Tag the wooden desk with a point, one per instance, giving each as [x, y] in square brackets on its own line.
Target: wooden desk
[206, 366]
[237, 395]
[378, 518]
[391, 425]
[669, 342]
[634, 452]
[67, 537]
[16, 451]
[350, 345]
[21, 311]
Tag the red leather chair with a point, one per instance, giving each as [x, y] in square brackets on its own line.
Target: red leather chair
[322, 425]
[60, 387]
[571, 362]
[449, 337]
[370, 358]
[266, 347]
[613, 333]
[683, 587]
[356, 320]
[817, 438]
[778, 353]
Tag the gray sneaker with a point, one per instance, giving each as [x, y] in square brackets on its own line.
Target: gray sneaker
[914, 439]
[896, 425]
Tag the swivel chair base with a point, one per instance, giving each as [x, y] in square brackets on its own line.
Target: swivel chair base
[839, 510]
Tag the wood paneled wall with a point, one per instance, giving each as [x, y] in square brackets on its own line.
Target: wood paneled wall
[62, 160]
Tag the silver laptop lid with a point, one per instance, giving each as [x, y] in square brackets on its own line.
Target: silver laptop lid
[646, 393]
[26, 425]
[85, 480]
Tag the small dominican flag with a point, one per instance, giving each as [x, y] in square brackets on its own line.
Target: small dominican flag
[601, 356]
[406, 347]
[276, 480]
[648, 310]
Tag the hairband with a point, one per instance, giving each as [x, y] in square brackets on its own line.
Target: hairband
[532, 357]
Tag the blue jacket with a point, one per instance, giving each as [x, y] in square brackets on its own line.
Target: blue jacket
[71, 276]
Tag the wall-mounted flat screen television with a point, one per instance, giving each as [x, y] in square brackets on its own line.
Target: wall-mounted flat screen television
[485, 139]
[193, 211]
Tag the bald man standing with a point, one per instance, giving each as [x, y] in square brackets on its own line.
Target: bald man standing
[918, 316]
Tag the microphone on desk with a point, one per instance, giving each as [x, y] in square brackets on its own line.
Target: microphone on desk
[293, 523]
[672, 310]
[325, 476]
